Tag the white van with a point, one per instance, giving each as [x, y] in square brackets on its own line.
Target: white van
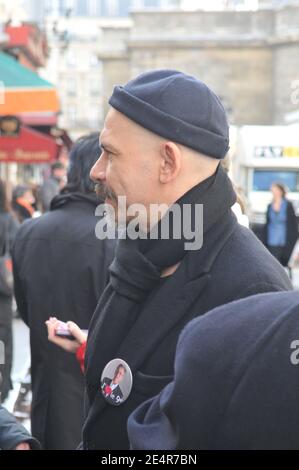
[264, 155]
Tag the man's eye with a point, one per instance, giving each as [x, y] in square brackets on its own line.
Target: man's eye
[109, 154]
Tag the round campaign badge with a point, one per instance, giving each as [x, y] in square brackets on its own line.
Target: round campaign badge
[116, 382]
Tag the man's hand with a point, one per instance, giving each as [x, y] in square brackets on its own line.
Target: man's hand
[23, 446]
[66, 344]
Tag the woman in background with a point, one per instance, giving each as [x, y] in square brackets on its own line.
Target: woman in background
[22, 202]
[8, 229]
[281, 226]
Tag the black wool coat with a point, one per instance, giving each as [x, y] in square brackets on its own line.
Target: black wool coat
[236, 382]
[232, 264]
[60, 269]
[8, 229]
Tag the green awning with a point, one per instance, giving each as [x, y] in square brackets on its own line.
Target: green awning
[23, 91]
[15, 75]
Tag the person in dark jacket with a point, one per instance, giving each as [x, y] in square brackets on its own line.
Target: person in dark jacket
[162, 141]
[52, 186]
[8, 230]
[235, 384]
[22, 202]
[281, 225]
[60, 268]
[13, 436]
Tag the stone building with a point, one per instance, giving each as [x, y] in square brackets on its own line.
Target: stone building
[250, 58]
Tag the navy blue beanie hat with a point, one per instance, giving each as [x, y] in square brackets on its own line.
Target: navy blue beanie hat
[178, 107]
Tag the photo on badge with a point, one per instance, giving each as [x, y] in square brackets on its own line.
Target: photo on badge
[116, 382]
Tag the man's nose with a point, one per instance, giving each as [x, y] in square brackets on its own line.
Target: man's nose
[98, 171]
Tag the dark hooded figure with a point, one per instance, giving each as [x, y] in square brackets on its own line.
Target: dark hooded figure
[235, 383]
[60, 268]
[22, 202]
[13, 436]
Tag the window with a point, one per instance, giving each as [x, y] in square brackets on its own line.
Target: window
[69, 4]
[136, 4]
[94, 86]
[61, 7]
[263, 179]
[124, 7]
[52, 7]
[81, 8]
[65, 5]
[71, 86]
[94, 116]
[93, 60]
[93, 8]
[151, 3]
[72, 114]
[71, 58]
[110, 7]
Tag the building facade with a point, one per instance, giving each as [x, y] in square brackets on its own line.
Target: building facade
[248, 55]
[250, 58]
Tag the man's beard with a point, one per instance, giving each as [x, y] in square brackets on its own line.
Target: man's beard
[104, 192]
[111, 214]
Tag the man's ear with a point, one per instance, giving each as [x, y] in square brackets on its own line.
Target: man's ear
[171, 160]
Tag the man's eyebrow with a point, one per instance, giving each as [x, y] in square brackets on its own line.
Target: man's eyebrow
[108, 147]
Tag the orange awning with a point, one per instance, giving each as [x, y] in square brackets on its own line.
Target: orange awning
[30, 101]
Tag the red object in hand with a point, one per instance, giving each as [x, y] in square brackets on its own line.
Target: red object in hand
[107, 390]
[80, 355]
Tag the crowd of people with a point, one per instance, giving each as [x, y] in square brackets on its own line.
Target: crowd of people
[170, 348]
[27, 201]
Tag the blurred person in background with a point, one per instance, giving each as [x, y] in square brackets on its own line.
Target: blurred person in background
[60, 268]
[281, 226]
[35, 188]
[53, 185]
[8, 230]
[63, 156]
[239, 208]
[22, 202]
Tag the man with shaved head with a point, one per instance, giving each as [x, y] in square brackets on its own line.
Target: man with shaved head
[163, 139]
